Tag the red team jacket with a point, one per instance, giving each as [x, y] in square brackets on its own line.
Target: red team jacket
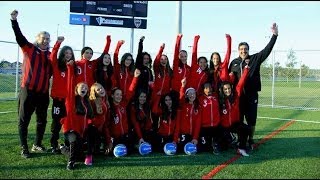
[189, 121]
[59, 78]
[86, 69]
[178, 72]
[73, 121]
[161, 83]
[197, 76]
[210, 115]
[140, 125]
[222, 70]
[118, 125]
[99, 119]
[123, 79]
[231, 114]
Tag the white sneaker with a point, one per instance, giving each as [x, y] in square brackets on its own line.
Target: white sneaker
[242, 152]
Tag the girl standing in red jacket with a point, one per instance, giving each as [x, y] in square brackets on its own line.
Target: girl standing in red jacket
[199, 69]
[210, 119]
[79, 114]
[180, 67]
[104, 71]
[230, 115]
[163, 74]
[58, 94]
[95, 129]
[124, 71]
[216, 66]
[189, 122]
[118, 117]
[85, 67]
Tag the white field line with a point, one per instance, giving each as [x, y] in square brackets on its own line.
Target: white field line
[282, 119]
[260, 117]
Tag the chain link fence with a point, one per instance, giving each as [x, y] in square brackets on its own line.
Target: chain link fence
[290, 78]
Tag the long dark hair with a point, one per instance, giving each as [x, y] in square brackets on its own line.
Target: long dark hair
[123, 66]
[222, 96]
[61, 60]
[150, 60]
[145, 106]
[175, 104]
[100, 72]
[168, 68]
[112, 108]
[211, 66]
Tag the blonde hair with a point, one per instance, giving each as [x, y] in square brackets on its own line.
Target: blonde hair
[93, 94]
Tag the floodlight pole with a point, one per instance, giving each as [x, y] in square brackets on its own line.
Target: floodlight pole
[84, 26]
[179, 19]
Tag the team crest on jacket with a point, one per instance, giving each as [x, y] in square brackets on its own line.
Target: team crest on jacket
[122, 110]
[63, 74]
[179, 70]
[196, 111]
[224, 111]
[116, 119]
[89, 66]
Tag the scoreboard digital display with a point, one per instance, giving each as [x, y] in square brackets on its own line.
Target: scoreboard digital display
[117, 8]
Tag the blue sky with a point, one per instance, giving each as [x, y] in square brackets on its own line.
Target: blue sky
[298, 23]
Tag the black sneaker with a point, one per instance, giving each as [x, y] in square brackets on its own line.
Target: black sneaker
[25, 153]
[70, 165]
[37, 148]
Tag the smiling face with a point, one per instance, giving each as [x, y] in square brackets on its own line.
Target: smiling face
[99, 90]
[191, 95]
[207, 90]
[183, 57]
[68, 55]
[168, 101]
[216, 59]
[87, 54]
[106, 59]
[142, 98]
[128, 61]
[117, 96]
[226, 90]
[43, 40]
[203, 63]
[82, 89]
[164, 60]
[243, 51]
[146, 60]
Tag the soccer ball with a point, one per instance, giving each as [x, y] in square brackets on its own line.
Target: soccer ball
[190, 148]
[120, 150]
[145, 148]
[170, 149]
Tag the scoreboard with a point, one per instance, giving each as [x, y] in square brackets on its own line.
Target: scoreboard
[117, 8]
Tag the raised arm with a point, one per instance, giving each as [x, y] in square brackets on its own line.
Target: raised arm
[116, 63]
[107, 46]
[176, 53]
[194, 62]
[226, 60]
[156, 62]
[242, 80]
[139, 59]
[21, 40]
[55, 49]
[133, 85]
[263, 54]
[224, 73]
